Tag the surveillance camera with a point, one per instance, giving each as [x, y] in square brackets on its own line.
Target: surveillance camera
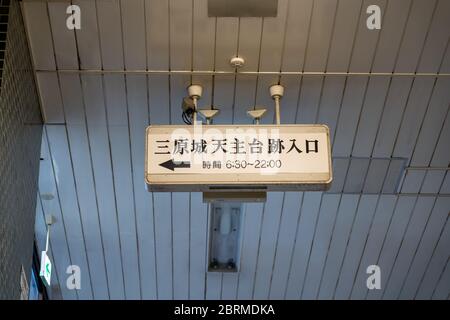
[187, 104]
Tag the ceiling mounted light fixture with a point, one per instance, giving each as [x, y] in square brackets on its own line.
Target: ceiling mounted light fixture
[225, 236]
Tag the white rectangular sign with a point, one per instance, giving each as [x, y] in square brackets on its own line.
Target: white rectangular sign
[238, 157]
[46, 268]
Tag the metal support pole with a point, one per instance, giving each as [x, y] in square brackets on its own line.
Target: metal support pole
[276, 92]
[277, 110]
[194, 116]
[47, 239]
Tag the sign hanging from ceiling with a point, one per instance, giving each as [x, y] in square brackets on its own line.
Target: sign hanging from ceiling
[46, 268]
[238, 157]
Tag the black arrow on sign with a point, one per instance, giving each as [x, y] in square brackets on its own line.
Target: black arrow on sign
[171, 165]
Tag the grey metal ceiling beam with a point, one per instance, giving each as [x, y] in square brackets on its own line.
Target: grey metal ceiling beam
[252, 73]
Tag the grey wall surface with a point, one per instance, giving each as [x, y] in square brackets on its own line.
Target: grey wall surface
[20, 138]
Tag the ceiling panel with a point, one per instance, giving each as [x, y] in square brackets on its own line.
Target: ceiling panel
[416, 225]
[198, 223]
[320, 245]
[157, 33]
[350, 265]
[110, 33]
[69, 217]
[41, 238]
[39, 35]
[430, 237]
[336, 251]
[87, 38]
[66, 51]
[98, 130]
[435, 269]
[267, 244]
[285, 243]
[138, 120]
[99, 90]
[249, 256]
[303, 244]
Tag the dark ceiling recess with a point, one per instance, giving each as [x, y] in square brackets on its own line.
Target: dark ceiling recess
[242, 8]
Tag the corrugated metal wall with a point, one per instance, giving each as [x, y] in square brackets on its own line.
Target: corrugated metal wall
[20, 140]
